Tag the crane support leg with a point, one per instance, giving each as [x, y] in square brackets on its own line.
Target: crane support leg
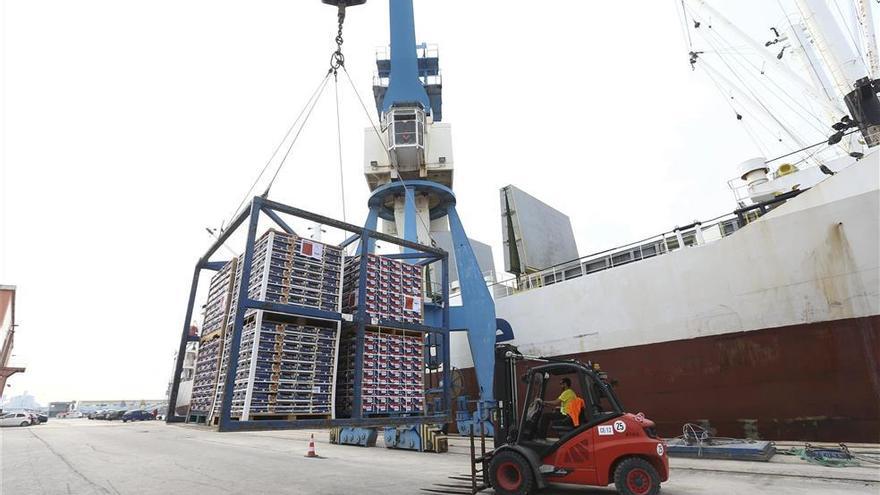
[477, 316]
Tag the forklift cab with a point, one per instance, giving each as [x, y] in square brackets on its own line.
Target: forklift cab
[543, 384]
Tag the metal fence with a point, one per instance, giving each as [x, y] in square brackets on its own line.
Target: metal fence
[698, 233]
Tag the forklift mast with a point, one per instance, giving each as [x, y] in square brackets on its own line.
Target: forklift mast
[506, 392]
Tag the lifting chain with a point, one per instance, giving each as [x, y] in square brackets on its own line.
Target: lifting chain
[337, 59]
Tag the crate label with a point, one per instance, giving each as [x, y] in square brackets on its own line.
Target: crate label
[413, 304]
[311, 249]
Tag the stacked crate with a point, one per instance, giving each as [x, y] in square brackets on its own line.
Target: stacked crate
[393, 289]
[296, 271]
[285, 368]
[393, 373]
[220, 387]
[207, 361]
[205, 378]
[278, 361]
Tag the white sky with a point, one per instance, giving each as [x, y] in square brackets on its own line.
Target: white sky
[128, 127]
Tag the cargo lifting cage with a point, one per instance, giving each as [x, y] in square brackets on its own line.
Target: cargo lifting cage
[436, 329]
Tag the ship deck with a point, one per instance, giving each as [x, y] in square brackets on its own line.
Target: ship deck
[84, 457]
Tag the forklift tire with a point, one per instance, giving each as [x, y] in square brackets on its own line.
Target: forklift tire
[636, 476]
[511, 474]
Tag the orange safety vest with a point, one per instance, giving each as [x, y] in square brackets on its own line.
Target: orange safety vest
[574, 410]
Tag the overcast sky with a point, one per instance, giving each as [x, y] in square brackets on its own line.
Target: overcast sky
[129, 127]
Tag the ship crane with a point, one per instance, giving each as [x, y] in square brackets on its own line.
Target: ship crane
[409, 169]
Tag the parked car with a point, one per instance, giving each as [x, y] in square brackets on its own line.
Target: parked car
[42, 417]
[15, 419]
[93, 414]
[137, 415]
[73, 415]
[111, 415]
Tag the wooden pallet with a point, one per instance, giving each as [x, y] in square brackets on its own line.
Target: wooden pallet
[286, 416]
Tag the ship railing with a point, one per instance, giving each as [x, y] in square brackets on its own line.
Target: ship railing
[695, 234]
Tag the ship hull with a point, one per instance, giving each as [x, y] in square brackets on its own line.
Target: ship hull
[806, 382]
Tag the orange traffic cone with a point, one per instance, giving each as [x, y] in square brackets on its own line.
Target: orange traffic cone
[311, 452]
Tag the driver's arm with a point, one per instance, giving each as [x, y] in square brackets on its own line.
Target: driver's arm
[552, 403]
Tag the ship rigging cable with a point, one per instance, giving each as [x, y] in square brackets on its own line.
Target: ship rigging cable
[723, 49]
[807, 147]
[738, 55]
[758, 100]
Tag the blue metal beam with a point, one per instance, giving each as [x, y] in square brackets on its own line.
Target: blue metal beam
[349, 240]
[277, 219]
[361, 317]
[238, 323]
[171, 415]
[292, 309]
[410, 255]
[214, 265]
[410, 326]
[410, 227]
[404, 85]
[447, 351]
[275, 424]
[370, 225]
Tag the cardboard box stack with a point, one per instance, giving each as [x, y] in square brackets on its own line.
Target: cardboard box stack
[286, 269]
[393, 373]
[285, 368]
[393, 289]
[207, 361]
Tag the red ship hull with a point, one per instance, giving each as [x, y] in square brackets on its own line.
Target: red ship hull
[809, 382]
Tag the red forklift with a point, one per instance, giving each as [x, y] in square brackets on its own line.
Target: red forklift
[606, 446]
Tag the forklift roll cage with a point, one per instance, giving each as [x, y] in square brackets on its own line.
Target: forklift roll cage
[591, 384]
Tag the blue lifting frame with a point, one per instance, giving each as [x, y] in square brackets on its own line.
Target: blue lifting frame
[416, 252]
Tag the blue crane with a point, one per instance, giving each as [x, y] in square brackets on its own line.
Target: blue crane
[408, 97]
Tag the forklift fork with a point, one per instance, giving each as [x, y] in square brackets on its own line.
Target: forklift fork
[476, 481]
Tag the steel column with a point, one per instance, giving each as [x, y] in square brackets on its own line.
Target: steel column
[410, 226]
[171, 416]
[357, 403]
[370, 224]
[241, 309]
[447, 376]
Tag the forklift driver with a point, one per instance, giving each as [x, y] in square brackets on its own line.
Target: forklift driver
[561, 417]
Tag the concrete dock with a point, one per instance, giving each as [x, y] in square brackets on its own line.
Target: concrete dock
[79, 456]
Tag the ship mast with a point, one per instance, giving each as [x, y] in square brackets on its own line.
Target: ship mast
[842, 61]
[866, 22]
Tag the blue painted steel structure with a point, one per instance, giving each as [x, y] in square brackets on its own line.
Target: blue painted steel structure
[476, 315]
[260, 205]
[408, 73]
[414, 80]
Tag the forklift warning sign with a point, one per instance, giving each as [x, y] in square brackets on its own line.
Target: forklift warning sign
[606, 430]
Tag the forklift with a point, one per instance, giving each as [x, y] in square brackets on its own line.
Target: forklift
[606, 446]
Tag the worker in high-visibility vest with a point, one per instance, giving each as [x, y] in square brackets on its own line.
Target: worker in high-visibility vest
[560, 417]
